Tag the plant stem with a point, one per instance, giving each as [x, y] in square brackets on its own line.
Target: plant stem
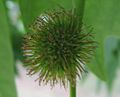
[72, 90]
[79, 5]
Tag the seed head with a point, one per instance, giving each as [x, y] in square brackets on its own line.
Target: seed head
[58, 47]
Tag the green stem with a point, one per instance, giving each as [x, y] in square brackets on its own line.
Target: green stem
[72, 90]
[79, 5]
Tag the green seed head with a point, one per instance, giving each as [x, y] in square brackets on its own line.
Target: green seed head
[58, 47]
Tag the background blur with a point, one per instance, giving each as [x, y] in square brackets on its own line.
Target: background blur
[103, 79]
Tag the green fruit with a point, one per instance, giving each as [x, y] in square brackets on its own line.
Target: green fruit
[58, 47]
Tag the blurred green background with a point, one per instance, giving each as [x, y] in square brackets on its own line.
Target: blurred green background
[17, 15]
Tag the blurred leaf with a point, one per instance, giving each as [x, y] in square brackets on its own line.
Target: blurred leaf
[31, 9]
[111, 59]
[17, 44]
[7, 84]
[104, 16]
[16, 35]
[16, 38]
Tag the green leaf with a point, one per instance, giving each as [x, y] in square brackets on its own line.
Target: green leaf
[7, 81]
[31, 9]
[104, 16]
[17, 38]
[111, 49]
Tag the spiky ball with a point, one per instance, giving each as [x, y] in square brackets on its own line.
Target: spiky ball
[58, 47]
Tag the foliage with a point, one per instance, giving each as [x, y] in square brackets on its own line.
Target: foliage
[7, 85]
[104, 16]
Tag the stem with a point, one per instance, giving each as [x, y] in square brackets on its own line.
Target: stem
[72, 90]
[79, 5]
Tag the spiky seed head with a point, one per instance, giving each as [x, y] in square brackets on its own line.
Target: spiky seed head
[58, 47]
